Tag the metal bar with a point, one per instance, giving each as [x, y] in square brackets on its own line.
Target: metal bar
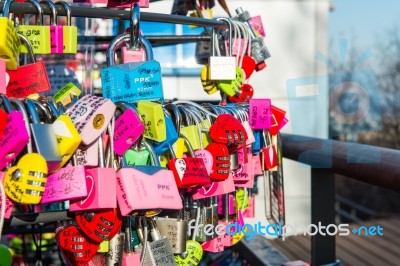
[355, 206]
[323, 249]
[373, 165]
[35, 218]
[108, 13]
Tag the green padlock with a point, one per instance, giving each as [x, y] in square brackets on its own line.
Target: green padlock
[133, 157]
[38, 35]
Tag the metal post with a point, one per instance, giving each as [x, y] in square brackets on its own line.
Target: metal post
[322, 213]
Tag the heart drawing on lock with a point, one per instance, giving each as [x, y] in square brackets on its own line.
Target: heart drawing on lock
[74, 246]
[90, 184]
[180, 166]
[192, 255]
[209, 190]
[207, 158]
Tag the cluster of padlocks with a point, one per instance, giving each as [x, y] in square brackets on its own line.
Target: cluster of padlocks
[147, 181]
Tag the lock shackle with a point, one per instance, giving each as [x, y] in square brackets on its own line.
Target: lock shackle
[6, 103]
[39, 16]
[189, 146]
[134, 32]
[55, 109]
[200, 107]
[153, 156]
[32, 106]
[23, 110]
[197, 122]
[28, 46]
[118, 41]
[229, 22]
[172, 108]
[53, 10]
[6, 8]
[67, 8]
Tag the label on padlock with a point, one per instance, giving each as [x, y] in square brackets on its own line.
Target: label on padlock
[66, 93]
[27, 80]
[38, 35]
[56, 39]
[260, 113]
[222, 68]
[133, 82]
[88, 155]
[68, 183]
[91, 115]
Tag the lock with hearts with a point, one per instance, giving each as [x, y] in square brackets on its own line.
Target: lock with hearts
[155, 187]
[101, 186]
[28, 79]
[15, 136]
[133, 81]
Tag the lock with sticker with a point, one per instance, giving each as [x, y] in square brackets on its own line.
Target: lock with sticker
[56, 31]
[43, 135]
[38, 35]
[91, 115]
[101, 186]
[15, 136]
[28, 79]
[152, 115]
[70, 32]
[134, 81]
[128, 128]
[158, 189]
[10, 42]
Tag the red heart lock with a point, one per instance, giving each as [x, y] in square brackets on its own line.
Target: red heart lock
[75, 247]
[228, 130]
[99, 225]
[221, 161]
[248, 66]
[245, 94]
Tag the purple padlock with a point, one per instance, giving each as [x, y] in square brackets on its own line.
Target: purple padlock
[15, 136]
[128, 129]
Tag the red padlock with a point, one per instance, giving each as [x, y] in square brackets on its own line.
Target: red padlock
[246, 92]
[221, 162]
[228, 130]
[3, 121]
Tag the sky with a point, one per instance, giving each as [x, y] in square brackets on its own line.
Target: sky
[363, 21]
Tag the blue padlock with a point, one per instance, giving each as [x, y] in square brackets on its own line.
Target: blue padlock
[172, 137]
[133, 81]
[258, 143]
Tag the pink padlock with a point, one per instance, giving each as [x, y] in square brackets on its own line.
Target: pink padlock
[231, 204]
[248, 174]
[68, 183]
[128, 129]
[91, 115]
[9, 202]
[56, 31]
[15, 136]
[215, 189]
[260, 113]
[250, 211]
[257, 164]
[87, 155]
[214, 245]
[3, 77]
[101, 187]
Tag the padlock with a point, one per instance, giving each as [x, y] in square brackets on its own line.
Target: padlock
[156, 187]
[66, 94]
[170, 139]
[68, 183]
[175, 229]
[191, 131]
[9, 204]
[192, 255]
[15, 136]
[129, 257]
[4, 78]
[101, 185]
[260, 113]
[25, 182]
[214, 245]
[153, 118]
[3, 121]
[250, 211]
[221, 161]
[28, 79]
[99, 225]
[205, 216]
[116, 252]
[10, 42]
[88, 155]
[277, 120]
[189, 171]
[75, 247]
[128, 129]
[38, 35]
[56, 31]
[44, 136]
[136, 157]
[215, 189]
[70, 32]
[228, 130]
[158, 252]
[91, 115]
[132, 82]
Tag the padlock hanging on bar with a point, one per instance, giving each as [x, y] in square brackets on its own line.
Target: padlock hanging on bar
[10, 42]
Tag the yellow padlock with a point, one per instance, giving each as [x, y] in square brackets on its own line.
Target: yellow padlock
[38, 35]
[68, 138]
[152, 115]
[9, 39]
[206, 124]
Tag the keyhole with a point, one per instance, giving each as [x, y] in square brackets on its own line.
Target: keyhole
[16, 175]
[10, 155]
[129, 140]
[89, 216]
[160, 123]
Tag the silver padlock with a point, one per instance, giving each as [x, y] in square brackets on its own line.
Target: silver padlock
[114, 255]
[175, 229]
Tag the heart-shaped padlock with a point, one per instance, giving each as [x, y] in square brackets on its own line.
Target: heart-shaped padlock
[245, 94]
[99, 225]
[192, 256]
[228, 130]
[75, 247]
[248, 66]
[133, 157]
[25, 182]
[209, 86]
[221, 161]
[231, 87]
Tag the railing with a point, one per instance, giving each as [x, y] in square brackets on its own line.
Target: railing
[369, 164]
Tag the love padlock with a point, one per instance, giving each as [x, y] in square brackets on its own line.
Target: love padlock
[9, 203]
[9, 43]
[56, 31]
[38, 35]
[15, 136]
[221, 161]
[228, 130]
[75, 247]
[3, 121]
[70, 32]
[246, 92]
[133, 81]
[25, 182]
[153, 118]
[91, 115]
[192, 256]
